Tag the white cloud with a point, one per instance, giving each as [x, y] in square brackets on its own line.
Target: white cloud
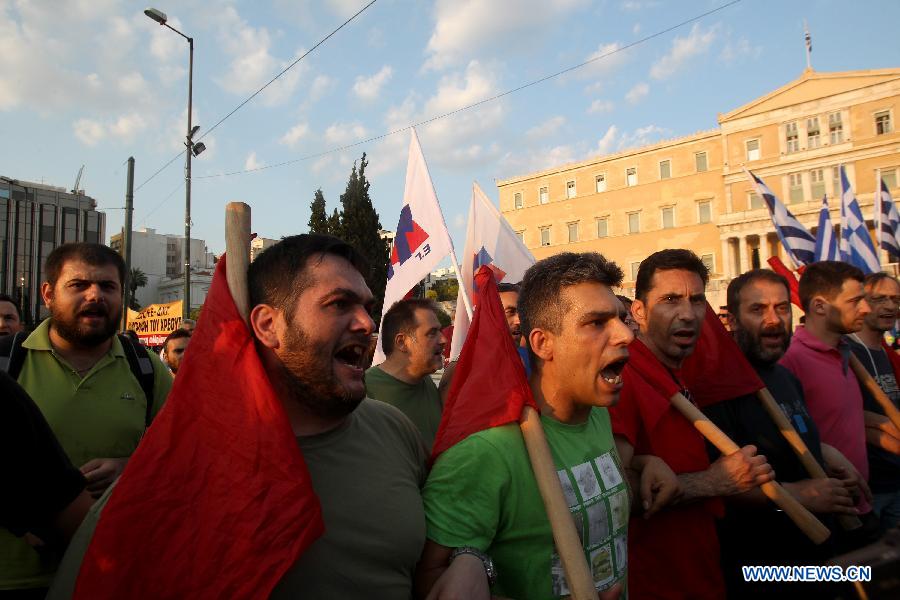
[321, 85]
[600, 106]
[734, 51]
[252, 162]
[636, 29]
[132, 84]
[464, 28]
[642, 136]
[459, 220]
[683, 49]
[345, 8]
[128, 126]
[368, 88]
[637, 5]
[609, 57]
[637, 93]
[88, 131]
[344, 133]
[547, 128]
[294, 135]
[606, 144]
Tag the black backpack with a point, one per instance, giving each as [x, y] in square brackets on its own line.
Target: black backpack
[12, 357]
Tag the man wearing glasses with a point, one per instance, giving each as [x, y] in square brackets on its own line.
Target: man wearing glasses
[882, 438]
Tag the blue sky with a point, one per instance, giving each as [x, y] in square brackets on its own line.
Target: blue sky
[95, 81]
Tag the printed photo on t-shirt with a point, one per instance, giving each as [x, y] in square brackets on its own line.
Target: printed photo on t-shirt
[568, 490]
[598, 524]
[601, 566]
[558, 577]
[609, 471]
[587, 481]
[579, 524]
[618, 504]
[620, 543]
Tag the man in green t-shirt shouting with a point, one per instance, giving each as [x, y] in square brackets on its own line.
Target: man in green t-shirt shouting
[483, 509]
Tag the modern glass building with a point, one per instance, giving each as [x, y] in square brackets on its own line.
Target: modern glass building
[34, 219]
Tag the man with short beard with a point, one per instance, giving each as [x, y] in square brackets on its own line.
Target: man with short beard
[883, 296]
[759, 313]
[413, 345]
[76, 370]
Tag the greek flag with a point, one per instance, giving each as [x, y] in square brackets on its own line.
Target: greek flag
[856, 244]
[798, 242]
[887, 220]
[826, 244]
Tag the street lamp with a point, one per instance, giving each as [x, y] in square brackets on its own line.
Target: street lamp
[191, 149]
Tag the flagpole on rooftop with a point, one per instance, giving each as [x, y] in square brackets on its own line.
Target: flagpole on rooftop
[808, 40]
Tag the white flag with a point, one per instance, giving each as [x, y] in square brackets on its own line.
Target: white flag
[489, 241]
[421, 240]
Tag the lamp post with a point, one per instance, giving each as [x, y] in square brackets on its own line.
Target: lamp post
[191, 149]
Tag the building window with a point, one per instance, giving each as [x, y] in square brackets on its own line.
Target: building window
[518, 199]
[817, 183]
[791, 137]
[836, 181]
[602, 227]
[635, 267]
[601, 182]
[754, 201]
[543, 195]
[701, 162]
[704, 211]
[835, 128]
[521, 236]
[634, 222]
[665, 169]
[812, 133]
[889, 177]
[570, 189]
[545, 236]
[795, 181]
[573, 232]
[668, 217]
[631, 176]
[708, 262]
[883, 122]
[753, 149]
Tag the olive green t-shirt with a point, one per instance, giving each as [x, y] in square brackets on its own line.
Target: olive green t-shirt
[421, 402]
[101, 415]
[482, 493]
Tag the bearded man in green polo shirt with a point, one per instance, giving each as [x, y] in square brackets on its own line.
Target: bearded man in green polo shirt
[77, 371]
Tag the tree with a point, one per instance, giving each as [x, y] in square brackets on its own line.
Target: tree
[446, 289]
[138, 280]
[318, 218]
[431, 295]
[361, 228]
[334, 224]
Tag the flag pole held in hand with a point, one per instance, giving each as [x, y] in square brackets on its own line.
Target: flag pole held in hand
[875, 390]
[237, 254]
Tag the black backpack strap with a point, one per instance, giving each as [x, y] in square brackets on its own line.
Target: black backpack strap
[142, 369]
[12, 356]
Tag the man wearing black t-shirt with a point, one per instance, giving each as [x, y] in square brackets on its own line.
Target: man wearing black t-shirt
[753, 531]
[882, 438]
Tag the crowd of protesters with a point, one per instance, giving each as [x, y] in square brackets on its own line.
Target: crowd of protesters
[660, 512]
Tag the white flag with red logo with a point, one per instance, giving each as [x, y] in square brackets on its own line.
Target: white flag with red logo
[421, 240]
[492, 242]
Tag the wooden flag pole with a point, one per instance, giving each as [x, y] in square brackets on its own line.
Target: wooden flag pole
[237, 254]
[805, 520]
[812, 466]
[568, 544]
[875, 390]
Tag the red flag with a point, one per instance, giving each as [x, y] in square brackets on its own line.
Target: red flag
[793, 284]
[893, 357]
[718, 370]
[216, 502]
[489, 385]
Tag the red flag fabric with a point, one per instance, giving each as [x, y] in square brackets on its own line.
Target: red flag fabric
[489, 385]
[782, 270]
[216, 502]
[893, 357]
[718, 370]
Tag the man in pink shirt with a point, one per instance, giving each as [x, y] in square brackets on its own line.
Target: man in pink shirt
[833, 298]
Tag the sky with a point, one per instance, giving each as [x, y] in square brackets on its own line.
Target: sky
[92, 82]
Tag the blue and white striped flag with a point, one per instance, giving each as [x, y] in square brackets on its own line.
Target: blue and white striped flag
[798, 242]
[826, 244]
[856, 244]
[887, 219]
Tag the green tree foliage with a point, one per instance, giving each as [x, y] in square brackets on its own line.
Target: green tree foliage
[138, 280]
[431, 295]
[318, 218]
[334, 224]
[446, 289]
[443, 319]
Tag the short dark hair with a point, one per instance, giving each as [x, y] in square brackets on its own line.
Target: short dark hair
[96, 255]
[873, 279]
[540, 302]
[401, 318]
[176, 335]
[667, 260]
[508, 287]
[625, 300]
[278, 275]
[8, 298]
[737, 284]
[826, 278]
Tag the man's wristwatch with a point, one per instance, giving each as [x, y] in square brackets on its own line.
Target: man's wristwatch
[489, 569]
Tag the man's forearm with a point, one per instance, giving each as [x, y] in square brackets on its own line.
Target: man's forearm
[696, 486]
[880, 439]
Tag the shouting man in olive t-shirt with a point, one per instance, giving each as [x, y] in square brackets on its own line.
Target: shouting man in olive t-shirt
[485, 518]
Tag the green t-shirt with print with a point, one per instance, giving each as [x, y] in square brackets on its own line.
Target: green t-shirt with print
[482, 493]
[420, 402]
